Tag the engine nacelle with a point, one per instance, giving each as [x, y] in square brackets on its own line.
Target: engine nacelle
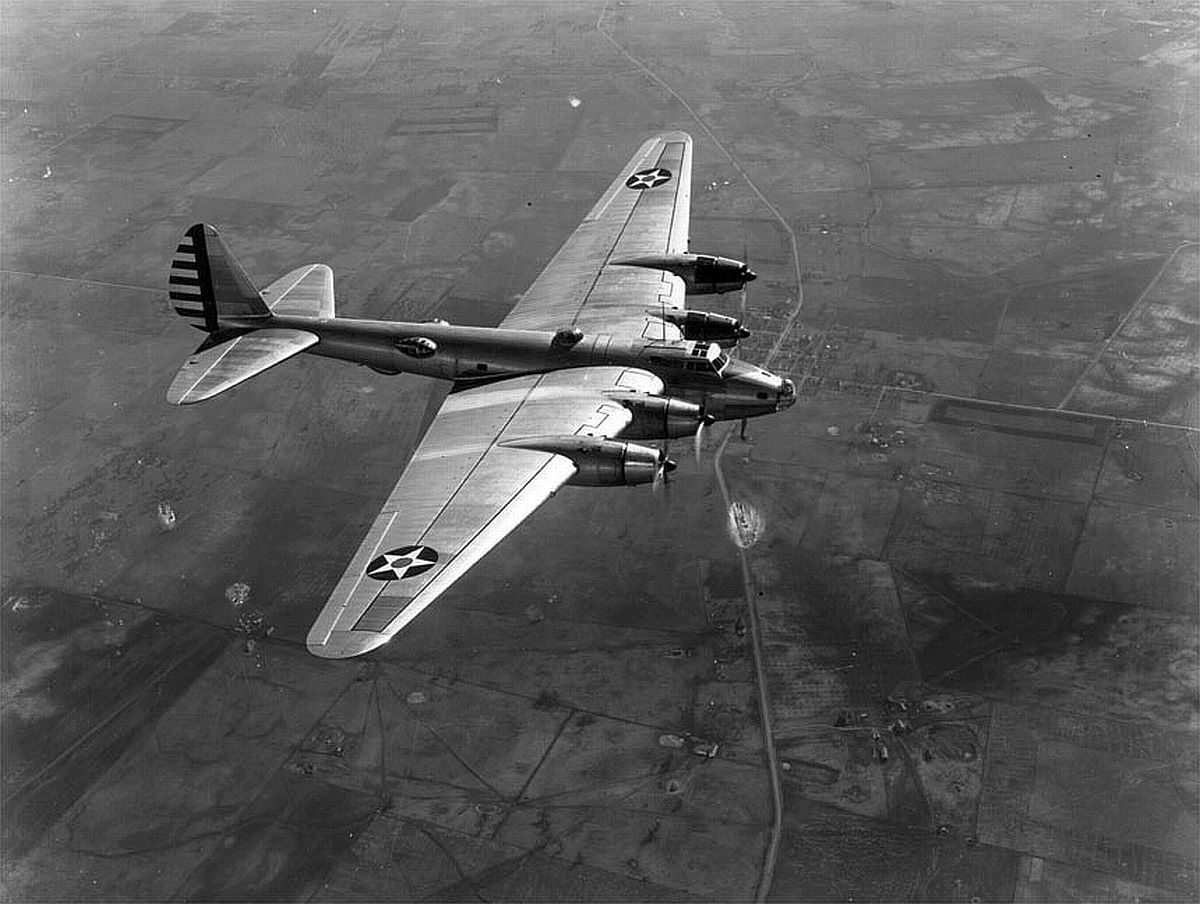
[705, 326]
[702, 274]
[659, 417]
[602, 462]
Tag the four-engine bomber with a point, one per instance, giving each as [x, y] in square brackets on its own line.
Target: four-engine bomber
[700, 372]
[600, 351]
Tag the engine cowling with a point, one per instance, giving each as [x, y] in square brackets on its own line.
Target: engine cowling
[702, 274]
[660, 417]
[602, 462]
[705, 326]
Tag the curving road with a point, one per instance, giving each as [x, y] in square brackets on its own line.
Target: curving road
[767, 873]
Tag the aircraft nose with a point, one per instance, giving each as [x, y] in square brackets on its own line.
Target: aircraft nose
[748, 275]
[787, 395]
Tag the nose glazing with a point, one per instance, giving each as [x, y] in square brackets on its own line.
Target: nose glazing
[787, 395]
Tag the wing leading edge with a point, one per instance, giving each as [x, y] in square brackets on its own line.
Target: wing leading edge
[462, 493]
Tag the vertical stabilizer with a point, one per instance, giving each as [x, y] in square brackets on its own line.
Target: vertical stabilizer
[208, 285]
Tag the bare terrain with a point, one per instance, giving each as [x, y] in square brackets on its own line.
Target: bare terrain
[970, 549]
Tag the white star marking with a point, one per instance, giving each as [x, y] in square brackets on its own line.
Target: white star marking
[402, 563]
[650, 178]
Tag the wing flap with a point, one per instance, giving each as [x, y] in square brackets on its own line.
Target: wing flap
[462, 493]
[216, 368]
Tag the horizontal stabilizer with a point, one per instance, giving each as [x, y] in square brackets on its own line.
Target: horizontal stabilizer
[305, 292]
[215, 368]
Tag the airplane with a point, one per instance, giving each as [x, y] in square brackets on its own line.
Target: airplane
[599, 353]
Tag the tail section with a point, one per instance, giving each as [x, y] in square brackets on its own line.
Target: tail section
[211, 290]
[207, 283]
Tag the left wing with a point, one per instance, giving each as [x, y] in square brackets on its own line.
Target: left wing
[463, 492]
[645, 211]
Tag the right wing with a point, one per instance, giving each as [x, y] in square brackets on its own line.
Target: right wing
[644, 212]
[463, 492]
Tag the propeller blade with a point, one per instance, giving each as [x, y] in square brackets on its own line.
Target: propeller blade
[706, 420]
[659, 473]
[746, 261]
[665, 467]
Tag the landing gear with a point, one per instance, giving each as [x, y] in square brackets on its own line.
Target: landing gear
[742, 432]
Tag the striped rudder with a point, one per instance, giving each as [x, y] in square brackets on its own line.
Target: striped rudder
[208, 286]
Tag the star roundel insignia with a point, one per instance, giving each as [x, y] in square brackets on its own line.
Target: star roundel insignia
[648, 178]
[405, 562]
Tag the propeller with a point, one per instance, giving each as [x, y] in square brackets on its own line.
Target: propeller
[665, 467]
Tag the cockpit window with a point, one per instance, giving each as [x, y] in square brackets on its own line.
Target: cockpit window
[715, 356]
[699, 357]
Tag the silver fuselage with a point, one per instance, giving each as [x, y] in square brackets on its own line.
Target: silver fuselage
[470, 354]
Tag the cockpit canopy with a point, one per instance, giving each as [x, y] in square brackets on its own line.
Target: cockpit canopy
[697, 357]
